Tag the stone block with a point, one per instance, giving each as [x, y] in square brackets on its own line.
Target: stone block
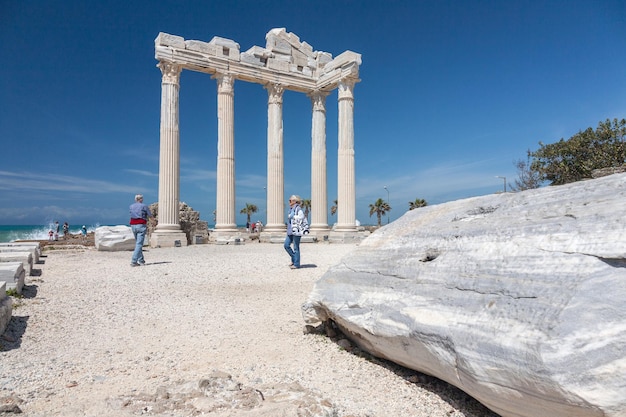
[260, 52]
[347, 57]
[276, 41]
[323, 58]
[278, 65]
[251, 59]
[6, 308]
[230, 48]
[203, 47]
[26, 258]
[165, 39]
[36, 245]
[34, 250]
[306, 49]
[114, 238]
[13, 275]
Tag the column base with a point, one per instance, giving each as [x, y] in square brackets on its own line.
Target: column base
[167, 239]
[275, 228]
[227, 237]
[341, 236]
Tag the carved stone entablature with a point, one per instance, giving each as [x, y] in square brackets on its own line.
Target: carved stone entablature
[284, 60]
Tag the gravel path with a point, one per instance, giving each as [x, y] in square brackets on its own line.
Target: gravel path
[93, 336]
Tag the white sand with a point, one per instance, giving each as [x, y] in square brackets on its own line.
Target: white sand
[91, 330]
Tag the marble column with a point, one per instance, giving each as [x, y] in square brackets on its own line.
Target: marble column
[225, 195]
[168, 231]
[346, 188]
[319, 193]
[275, 161]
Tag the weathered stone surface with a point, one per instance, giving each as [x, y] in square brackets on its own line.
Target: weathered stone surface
[220, 396]
[26, 258]
[36, 245]
[13, 274]
[196, 230]
[517, 299]
[6, 308]
[34, 251]
[114, 238]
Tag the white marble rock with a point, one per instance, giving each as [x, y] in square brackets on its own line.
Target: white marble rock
[115, 238]
[518, 299]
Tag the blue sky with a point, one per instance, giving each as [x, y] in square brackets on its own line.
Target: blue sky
[452, 94]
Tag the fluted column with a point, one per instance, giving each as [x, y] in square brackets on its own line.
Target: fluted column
[169, 159]
[275, 160]
[346, 189]
[168, 229]
[225, 204]
[319, 193]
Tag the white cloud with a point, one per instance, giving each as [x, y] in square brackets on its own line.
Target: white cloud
[29, 182]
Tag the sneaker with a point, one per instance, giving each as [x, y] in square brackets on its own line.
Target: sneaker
[134, 264]
[142, 262]
[293, 266]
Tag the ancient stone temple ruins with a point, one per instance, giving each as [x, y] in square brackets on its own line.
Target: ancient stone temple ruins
[285, 63]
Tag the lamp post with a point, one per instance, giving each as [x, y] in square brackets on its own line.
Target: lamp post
[385, 187]
[504, 179]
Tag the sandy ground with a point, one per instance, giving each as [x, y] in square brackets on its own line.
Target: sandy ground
[91, 334]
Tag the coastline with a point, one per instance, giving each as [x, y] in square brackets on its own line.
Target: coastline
[93, 336]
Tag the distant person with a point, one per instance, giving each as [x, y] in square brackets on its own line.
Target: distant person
[50, 235]
[56, 230]
[139, 214]
[83, 232]
[66, 229]
[258, 226]
[295, 230]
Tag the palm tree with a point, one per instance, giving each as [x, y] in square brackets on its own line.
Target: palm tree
[380, 207]
[248, 210]
[419, 202]
[333, 208]
[305, 204]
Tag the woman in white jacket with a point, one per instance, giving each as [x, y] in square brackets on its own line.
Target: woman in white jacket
[295, 230]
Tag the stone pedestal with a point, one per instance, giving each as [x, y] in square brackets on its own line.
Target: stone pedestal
[168, 239]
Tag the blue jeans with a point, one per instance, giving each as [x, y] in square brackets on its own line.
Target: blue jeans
[139, 230]
[295, 252]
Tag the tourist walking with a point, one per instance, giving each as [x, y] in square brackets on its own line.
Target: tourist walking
[295, 229]
[66, 228]
[139, 214]
[83, 231]
[56, 230]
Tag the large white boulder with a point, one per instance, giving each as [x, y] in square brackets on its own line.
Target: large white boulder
[114, 238]
[518, 299]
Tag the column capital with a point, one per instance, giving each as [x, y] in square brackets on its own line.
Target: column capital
[345, 88]
[275, 93]
[225, 83]
[171, 72]
[318, 99]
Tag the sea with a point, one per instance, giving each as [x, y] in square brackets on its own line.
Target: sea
[11, 233]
